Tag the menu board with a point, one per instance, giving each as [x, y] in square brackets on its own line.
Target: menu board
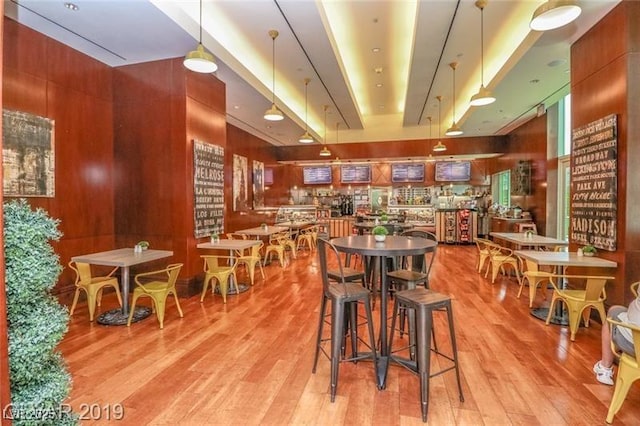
[407, 172]
[355, 173]
[594, 191]
[208, 189]
[453, 171]
[317, 175]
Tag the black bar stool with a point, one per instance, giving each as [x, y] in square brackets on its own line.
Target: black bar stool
[344, 297]
[423, 302]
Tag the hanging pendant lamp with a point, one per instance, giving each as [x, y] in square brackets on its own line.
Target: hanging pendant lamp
[306, 137]
[273, 113]
[200, 60]
[454, 130]
[554, 14]
[440, 147]
[484, 96]
[324, 152]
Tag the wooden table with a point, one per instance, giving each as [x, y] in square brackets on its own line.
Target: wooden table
[232, 246]
[521, 240]
[260, 232]
[124, 258]
[393, 246]
[561, 259]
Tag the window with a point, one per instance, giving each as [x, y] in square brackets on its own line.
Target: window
[501, 188]
[564, 126]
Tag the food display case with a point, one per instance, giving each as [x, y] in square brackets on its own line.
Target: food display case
[418, 215]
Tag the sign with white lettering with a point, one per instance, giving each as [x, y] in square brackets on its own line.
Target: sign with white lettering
[594, 189]
[208, 189]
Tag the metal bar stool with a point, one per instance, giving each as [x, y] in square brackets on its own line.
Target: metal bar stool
[344, 297]
[423, 302]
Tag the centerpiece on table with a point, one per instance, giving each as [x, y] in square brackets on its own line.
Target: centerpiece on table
[379, 233]
[215, 238]
[589, 250]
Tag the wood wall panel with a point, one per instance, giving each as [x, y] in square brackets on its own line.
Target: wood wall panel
[601, 84]
[79, 102]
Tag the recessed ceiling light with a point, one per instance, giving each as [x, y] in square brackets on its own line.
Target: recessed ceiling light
[379, 85]
[375, 49]
[236, 107]
[378, 70]
[71, 6]
[534, 81]
[557, 62]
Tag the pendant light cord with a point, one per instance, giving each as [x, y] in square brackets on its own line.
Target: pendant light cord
[306, 125]
[273, 69]
[482, 46]
[200, 21]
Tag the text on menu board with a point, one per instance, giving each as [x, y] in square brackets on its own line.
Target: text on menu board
[407, 172]
[594, 190]
[453, 171]
[355, 173]
[208, 189]
[317, 175]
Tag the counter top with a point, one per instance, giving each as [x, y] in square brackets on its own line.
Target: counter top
[511, 219]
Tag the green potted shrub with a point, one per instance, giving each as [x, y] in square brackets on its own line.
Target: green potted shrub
[589, 250]
[379, 233]
[263, 226]
[384, 218]
[215, 238]
[36, 322]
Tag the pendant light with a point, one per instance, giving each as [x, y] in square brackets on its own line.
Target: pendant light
[554, 14]
[306, 137]
[200, 60]
[324, 152]
[484, 96]
[454, 130]
[273, 113]
[440, 147]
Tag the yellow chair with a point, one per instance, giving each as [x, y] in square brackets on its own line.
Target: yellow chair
[306, 238]
[499, 257]
[580, 302]
[158, 290]
[251, 259]
[483, 252]
[634, 288]
[220, 268]
[534, 276]
[288, 242]
[276, 246]
[628, 369]
[236, 236]
[92, 286]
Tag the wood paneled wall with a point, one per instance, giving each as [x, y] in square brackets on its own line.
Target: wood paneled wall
[605, 80]
[47, 78]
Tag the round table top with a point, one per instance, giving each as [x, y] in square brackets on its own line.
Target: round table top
[393, 245]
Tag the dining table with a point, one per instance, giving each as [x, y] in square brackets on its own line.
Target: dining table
[561, 260]
[233, 246]
[123, 258]
[522, 239]
[262, 231]
[393, 246]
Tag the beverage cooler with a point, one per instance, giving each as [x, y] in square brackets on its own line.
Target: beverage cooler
[456, 226]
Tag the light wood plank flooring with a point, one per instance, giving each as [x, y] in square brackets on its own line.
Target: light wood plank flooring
[249, 362]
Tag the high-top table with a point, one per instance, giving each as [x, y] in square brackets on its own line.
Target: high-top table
[562, 260]
[124, 258]
[520, 239]
[393, 246]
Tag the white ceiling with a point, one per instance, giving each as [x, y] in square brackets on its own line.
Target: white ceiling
[331, 42]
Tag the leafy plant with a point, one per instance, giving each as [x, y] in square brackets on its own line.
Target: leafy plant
[36, 321]
[379, 230]
[143, 244]
[384, 217]
[589, 249]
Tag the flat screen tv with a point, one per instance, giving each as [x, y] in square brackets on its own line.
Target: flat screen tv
[412, 172]
[453, 171]
[317, 175]
[355, 173]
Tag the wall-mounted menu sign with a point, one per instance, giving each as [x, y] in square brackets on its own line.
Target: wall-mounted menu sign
[208, 189]
[594, 190]
[453, 171]
[317, 175]
[407, 172]
[355, 173]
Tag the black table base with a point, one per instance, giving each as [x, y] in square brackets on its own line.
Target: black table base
[556, 318]
[117, 317]
[231, 291]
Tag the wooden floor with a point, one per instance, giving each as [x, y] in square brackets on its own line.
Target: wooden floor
[249, 362]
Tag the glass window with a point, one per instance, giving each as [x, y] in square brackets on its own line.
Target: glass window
[564, 126]
[501, 188]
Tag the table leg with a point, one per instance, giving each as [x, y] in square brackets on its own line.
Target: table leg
[384, 348]
[232, 288]
[121, 316]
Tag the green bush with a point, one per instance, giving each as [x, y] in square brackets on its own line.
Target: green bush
[379, 230]
[36, 321]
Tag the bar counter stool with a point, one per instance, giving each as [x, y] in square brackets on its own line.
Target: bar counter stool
[344, 298]
[423, 302]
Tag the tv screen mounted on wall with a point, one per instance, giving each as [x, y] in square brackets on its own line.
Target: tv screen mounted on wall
[317, 175]
[453, 171]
